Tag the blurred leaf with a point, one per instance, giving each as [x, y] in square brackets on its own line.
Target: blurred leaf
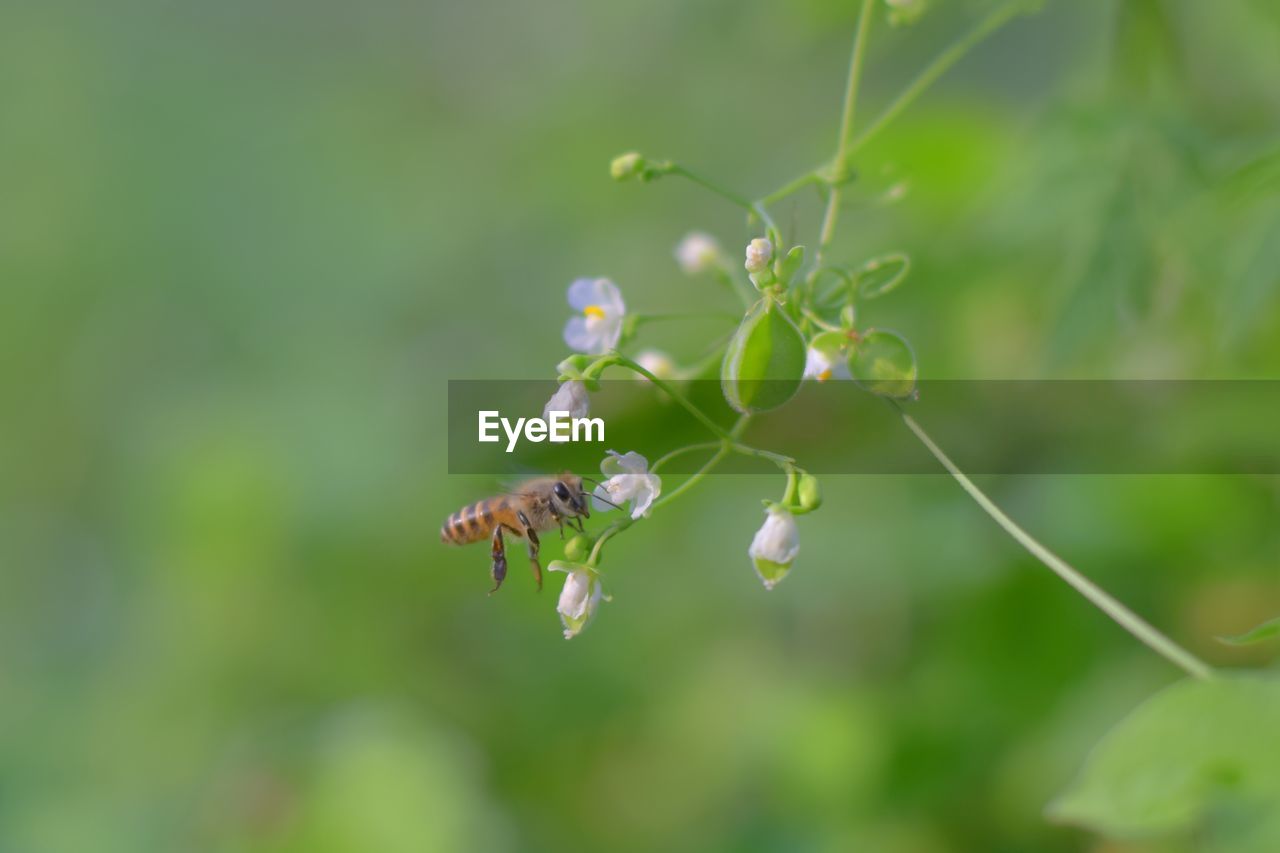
[1265, 631]
[880, 275]
[1198, 754]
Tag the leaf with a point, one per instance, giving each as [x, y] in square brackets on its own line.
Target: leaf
[880, 275]
[1200, 754]
[1265, 631]
[764, 362]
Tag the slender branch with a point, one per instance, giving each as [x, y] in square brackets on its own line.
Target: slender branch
[728, 195]
[753, 208]
[937, 68]
[623, 361]
[623, 523]
[1122, 615]
[841, 160]
[794, 186]
[680, 451]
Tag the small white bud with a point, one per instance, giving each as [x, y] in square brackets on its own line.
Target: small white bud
[656, 362]
[624, 166]
[759, 254]
[696, 253]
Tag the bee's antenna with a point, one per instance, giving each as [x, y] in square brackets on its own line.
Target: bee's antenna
[589, 480]
[602, 500]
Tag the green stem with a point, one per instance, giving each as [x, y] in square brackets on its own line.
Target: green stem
[841, 160]
[623, 523]
[1122, 615]
[937, 68]
[793, 187]
[746, 204]
[623, 361]
[680, 451]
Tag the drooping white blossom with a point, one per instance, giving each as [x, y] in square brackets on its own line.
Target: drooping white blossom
[571, 397]
[775, 546]
[579, 598]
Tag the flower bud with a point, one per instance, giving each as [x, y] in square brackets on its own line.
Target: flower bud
[696, 253]
[627, 166]
[656, 362]
[578, 548]
[775, 546]
[759, 253]
[808, 493]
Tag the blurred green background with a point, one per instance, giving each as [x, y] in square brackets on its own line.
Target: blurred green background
[243, 246]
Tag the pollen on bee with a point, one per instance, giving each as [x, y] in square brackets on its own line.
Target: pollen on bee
[594, 311]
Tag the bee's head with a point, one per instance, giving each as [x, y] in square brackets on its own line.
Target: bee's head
[569, 493]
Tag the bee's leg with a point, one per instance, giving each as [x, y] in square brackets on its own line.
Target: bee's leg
[558, 519]
[534, 545]
[499, 553]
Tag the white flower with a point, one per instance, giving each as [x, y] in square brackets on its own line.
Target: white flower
[759, 253]
[656, 362]
[775, 546]
[580, 597]
[629, 480]
[697, 252]
[823, 365]
[598, 329]
[827, 357]
[570, 397]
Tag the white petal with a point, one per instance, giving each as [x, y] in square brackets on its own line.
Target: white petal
[633, 463]
[649, 488]
[599, 292]
[575, 595]
[597, 504]
[581, 336]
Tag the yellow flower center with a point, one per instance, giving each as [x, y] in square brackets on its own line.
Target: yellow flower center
[824, 375]
[594, 311]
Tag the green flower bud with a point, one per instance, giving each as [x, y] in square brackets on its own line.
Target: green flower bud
[765, 360]
[627, 166]
[808, 493]
[578, 548]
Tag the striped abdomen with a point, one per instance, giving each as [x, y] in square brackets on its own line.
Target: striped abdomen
[473, 523]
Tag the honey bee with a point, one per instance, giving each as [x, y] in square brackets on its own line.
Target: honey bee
[535, 505]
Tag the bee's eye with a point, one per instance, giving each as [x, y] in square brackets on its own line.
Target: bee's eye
[562, 492]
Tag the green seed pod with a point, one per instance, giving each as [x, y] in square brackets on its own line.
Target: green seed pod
[885, 364]
[765, 360]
